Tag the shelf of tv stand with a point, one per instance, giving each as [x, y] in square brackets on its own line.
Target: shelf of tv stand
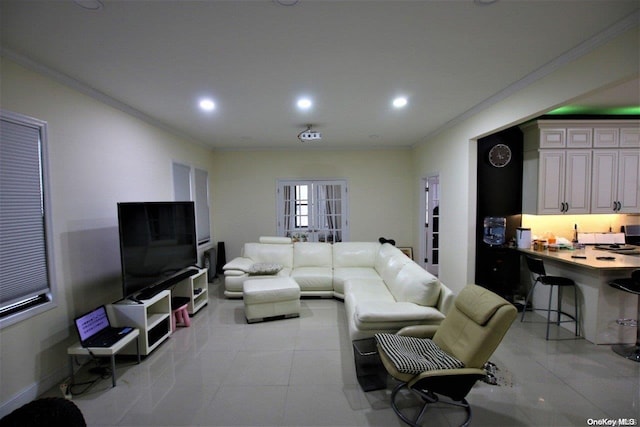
[187, 288]
[151, 316]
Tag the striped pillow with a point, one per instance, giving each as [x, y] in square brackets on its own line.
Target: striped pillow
[412, 355]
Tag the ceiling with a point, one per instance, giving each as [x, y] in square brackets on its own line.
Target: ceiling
[156, 59]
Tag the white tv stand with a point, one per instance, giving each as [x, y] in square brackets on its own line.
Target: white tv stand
[196, 288]
[152, 317]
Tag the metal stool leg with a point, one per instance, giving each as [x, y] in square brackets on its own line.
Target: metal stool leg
[575, 301]
[630, 351]
[526, 301]
[549, 311]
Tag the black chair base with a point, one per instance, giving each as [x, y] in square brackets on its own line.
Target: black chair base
[428, 398]
[628, 351]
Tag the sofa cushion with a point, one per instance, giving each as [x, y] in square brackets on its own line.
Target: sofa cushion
[384, 312]
[367, 289]
[390, 272]
[312, 254]
[270, 252]
[313, 278]
[417, 285]
[386, 251]
[355, 254]
[340, 275]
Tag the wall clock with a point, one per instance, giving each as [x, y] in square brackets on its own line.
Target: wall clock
[499, 155]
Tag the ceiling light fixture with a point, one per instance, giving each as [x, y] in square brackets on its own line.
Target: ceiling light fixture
[400, 102]
[304, 103]
[309, 135]
[287, 2]
[207, 105]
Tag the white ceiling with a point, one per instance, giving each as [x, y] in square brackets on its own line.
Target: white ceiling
[157, 58]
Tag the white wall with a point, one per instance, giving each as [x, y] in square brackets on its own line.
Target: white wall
[98, 157]
[244, 192]
[453, 151]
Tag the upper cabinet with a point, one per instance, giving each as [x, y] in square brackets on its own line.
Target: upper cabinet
[581, 167]
[616, 174]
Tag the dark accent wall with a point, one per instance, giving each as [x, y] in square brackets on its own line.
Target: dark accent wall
[499, 194]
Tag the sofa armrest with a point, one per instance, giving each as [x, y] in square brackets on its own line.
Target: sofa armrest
[239, 263]
[445, 300]
[384, 311]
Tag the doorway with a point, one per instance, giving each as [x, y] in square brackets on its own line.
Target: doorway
[430, 223]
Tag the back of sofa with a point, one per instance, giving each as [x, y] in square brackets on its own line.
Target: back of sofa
[312, 254]
[355, 254]
[279, 253]
[408, 282]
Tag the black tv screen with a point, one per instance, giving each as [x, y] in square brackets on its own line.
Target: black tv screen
[157, 241]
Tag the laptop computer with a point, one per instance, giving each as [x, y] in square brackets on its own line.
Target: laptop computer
[95, 330]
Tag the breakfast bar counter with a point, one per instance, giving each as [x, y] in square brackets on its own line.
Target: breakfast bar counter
[599, 305]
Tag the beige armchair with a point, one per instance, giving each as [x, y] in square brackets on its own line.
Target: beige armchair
[447, 360]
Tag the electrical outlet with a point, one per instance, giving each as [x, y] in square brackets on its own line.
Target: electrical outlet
[65, 389]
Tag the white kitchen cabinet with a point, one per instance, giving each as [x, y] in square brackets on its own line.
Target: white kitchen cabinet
[581, 167]
[630, 137]
[616, 181]
[606, 137]
[564, 185]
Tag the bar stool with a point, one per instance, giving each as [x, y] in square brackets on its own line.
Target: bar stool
[631, 285]
[536, 266]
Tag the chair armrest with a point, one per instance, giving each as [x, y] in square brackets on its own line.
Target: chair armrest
[472, 373]
[419, 331]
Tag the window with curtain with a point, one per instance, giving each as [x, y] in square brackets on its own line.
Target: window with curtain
[313, 210]
[192, 184]
[27, 280]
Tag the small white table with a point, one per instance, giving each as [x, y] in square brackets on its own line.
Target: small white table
[77, 350]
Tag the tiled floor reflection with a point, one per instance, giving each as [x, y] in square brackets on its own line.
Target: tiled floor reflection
[300, 372]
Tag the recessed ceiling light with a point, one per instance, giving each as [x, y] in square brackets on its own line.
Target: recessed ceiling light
[399, 102]
[304, 103]
[207, 105]
[89, 4]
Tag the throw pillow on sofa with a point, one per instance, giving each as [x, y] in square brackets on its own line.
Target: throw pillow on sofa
[264, 269]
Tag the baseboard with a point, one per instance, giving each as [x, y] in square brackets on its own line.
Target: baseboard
[32, 392]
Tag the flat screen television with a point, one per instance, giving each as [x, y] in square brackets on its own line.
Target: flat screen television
[157, 245]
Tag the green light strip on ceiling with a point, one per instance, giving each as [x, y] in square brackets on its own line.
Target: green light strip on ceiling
[608, 111]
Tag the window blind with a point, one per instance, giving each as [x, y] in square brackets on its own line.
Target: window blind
[182, 182]
[23, 255]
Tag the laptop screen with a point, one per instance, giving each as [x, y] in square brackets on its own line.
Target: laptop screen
[92, 322]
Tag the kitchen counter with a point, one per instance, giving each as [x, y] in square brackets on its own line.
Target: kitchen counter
[599, 305]
[619, 262]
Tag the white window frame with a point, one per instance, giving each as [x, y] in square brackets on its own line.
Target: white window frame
[308, 208]
[28, 307]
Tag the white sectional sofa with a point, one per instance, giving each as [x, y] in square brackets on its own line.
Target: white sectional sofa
[383, 290]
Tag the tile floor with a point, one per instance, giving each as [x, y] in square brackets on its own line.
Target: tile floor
[300, 372]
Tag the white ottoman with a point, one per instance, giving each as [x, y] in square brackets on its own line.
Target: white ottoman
[264, 298]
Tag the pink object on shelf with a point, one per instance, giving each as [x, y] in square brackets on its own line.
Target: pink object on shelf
[180, 317]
